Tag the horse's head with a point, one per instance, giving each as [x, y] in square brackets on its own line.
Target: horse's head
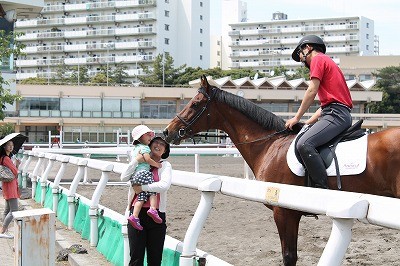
[193, 118]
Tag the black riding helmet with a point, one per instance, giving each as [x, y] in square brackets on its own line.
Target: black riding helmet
[309, 39]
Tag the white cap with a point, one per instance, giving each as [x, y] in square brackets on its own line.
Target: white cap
[139, 130]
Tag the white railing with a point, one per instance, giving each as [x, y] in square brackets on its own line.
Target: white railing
[342, 207]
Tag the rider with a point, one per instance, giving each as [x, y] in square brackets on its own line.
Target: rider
[333, 116]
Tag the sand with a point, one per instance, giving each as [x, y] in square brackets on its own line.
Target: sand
[243, 232]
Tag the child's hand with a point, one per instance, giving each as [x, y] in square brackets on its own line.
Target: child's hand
[159, 165]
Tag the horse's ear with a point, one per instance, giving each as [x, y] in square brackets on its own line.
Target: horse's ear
[203, 81]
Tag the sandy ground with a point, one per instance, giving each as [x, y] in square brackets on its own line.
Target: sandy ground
[244, 233]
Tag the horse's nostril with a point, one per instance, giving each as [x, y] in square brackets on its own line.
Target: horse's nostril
[165, 132]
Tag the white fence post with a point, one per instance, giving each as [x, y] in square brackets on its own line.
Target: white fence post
[208, 188]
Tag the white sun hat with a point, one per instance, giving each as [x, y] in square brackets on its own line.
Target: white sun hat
[139, 130]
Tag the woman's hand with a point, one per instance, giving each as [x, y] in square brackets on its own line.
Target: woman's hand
[140, 158]
[137, 188]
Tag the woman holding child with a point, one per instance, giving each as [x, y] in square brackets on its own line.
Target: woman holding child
[151, 238]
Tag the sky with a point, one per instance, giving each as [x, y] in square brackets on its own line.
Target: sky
[384, 13]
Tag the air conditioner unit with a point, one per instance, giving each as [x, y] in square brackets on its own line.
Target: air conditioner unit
[141, 22]
[117, 24]
[117, 10]
[66, 54]
[66, 13]
[90, 26]
[117, 37]
[141, 51]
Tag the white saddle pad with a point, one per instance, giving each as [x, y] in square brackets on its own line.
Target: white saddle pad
[352, 158]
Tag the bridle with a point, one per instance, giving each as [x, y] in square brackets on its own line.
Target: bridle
[187, 131]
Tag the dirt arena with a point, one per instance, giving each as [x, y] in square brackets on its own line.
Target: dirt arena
[244, 233]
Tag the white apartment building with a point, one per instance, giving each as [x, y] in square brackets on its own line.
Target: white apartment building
[104, 33]
[268, 44]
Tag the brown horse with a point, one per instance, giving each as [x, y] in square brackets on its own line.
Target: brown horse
[260, 138]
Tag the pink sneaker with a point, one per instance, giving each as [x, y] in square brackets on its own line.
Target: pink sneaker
[135, 222]
[154, 215]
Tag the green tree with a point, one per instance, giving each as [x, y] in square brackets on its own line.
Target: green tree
[99, 79]
[301, 72]
[119, 74]
[62, 74]
[83, 75]
[6, 129]
[388, 81]
[161, 72]
[39, 81]
[280, 71]
[8, 47]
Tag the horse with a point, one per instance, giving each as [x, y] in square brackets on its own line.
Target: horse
[263, 141]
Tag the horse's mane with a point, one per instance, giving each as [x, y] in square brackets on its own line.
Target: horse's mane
[261, 116]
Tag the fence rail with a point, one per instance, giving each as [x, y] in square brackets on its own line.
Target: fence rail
[342, 207]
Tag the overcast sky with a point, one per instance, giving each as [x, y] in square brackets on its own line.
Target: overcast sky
[384, 13]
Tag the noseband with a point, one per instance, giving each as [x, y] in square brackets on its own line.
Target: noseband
[187, 131]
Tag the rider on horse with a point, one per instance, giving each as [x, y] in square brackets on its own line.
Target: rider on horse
[333, 116]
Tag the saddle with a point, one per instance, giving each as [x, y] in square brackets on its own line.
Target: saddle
[327, 151]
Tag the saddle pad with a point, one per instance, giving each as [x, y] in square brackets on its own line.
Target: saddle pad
[352, 158]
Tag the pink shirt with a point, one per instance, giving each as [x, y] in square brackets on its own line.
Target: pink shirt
[333, 87]
[10, 189]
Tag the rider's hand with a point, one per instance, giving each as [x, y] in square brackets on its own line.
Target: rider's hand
[291, 122]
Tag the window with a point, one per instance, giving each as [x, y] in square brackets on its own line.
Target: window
[201, 57]
[201, 17]
[160, 109]
[167, 1]
[367, 25]
[367, 36]
[201, 30]
[367, 47]
[201, 44]
[166, 27]
[166, 41]
[201, 4]
[166, 13]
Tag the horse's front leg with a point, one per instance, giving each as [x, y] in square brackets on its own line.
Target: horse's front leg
[287, 222]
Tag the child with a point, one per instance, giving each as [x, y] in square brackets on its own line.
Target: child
[142, 136]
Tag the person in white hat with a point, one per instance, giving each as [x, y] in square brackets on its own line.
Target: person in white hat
[142, 135]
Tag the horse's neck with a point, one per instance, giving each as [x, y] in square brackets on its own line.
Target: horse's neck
[249, 137]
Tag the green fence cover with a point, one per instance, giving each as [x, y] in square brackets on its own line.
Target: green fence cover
[62, 209]
[38, 193]
[82, 220]
[48, 200]
[111, 241]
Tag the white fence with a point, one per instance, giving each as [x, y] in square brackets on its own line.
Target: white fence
[342, 207]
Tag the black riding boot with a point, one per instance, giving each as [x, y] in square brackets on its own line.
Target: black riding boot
[315, 166]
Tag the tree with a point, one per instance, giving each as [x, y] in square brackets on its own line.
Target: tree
[280, 71]
[301, 72]
[119, 74]
[162, 71]
[83, 75]
[38, 81]
[6, 129]
[62, 75]
[388, 81]
[8, 47]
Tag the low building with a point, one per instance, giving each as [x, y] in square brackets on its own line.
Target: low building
[96, 113]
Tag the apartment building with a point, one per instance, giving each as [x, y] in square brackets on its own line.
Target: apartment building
[10, 11]
[267, 44]
[105, 33]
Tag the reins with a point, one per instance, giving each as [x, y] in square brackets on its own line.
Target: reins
[263, 138]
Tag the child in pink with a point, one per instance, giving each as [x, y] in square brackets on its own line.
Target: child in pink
[142, 136]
